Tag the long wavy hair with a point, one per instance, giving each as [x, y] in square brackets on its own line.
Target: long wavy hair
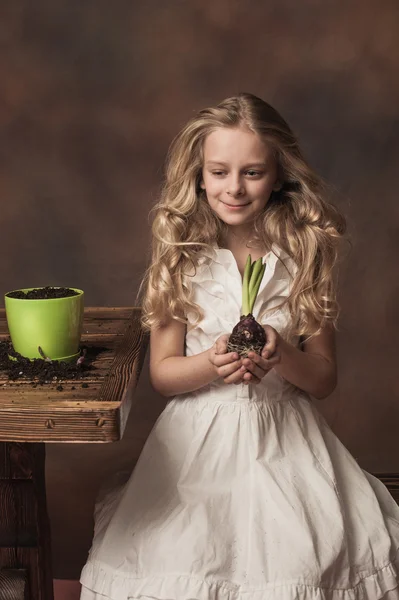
[297, 218]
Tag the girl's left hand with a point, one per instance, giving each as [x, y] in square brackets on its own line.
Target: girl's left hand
[257, 366]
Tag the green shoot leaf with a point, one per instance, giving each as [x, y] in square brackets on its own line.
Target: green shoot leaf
[256, 269]
[254, 292]
[253, 274]
[245, 286]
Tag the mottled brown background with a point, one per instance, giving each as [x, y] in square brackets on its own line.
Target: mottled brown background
[92, 93]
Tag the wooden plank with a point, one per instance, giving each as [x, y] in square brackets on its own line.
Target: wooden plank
[14, 584]
[17, 461]
[95, 326]
[18, 514]
[127, 363]
[24, 400]
[65, 425]
[59, 405]
[24, 520]
[43, 525]
[110, 312]
[125, 370]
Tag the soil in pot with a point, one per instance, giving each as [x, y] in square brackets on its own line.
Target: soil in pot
[43, 293]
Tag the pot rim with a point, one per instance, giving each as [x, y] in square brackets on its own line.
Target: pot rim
[41, 287]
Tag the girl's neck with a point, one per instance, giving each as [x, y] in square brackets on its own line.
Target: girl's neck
[241, 241]
[241, 244]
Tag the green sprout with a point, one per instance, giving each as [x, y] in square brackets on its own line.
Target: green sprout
[253, 275]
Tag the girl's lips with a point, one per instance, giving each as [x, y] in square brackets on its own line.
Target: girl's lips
[235, 206]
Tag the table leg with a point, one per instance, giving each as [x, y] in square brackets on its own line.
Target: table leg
[25, 545]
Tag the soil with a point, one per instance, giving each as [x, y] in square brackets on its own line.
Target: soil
[43, 293]
[40, 371]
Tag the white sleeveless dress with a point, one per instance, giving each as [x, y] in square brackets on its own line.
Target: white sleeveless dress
[244, 492]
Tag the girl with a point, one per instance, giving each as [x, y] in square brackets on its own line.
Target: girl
[243, 492]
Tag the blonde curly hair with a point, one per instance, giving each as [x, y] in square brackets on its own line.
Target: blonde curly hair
[297, 218]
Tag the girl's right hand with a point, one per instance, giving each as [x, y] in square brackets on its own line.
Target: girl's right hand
[226, 364]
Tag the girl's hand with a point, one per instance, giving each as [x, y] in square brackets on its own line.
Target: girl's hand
[257, 366]
[226, 364]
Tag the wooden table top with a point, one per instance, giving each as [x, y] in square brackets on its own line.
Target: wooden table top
[96, 412]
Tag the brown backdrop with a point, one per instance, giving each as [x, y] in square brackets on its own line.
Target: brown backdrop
[92, 93]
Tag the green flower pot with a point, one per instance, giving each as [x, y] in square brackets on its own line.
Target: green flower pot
[54, 324]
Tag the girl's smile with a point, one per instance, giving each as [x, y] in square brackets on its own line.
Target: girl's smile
[235, 206]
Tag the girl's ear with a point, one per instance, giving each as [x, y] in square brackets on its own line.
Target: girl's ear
[277, 186]
[202, 184]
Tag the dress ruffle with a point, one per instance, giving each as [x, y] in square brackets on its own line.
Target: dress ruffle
[187, 587]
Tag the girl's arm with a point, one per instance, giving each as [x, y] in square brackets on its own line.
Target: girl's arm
[312, 368]
[173, 373]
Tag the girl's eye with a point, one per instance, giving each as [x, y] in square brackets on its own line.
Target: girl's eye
[253, 173]
[218, 173]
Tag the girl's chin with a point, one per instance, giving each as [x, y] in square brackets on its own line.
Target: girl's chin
[236, 217]
[240, 218]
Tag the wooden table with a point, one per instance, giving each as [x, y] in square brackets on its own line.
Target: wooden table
[31, 417]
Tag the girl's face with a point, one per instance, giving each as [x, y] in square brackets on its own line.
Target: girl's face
[239, 174]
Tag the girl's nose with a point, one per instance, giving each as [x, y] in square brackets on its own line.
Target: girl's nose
[235, 187]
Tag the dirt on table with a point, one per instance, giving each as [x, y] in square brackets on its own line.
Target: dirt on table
[43, 293]
[39, 371]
